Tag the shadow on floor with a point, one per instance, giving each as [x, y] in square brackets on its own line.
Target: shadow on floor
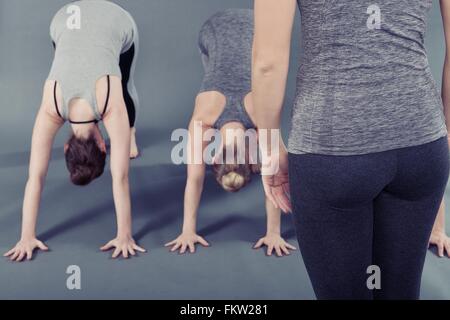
[157, 199]
[166, 199]
[148, 198]
[240, 227]
[146, 138]
[21, 159]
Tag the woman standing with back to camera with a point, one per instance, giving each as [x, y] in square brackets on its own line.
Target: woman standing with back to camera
[368, 150]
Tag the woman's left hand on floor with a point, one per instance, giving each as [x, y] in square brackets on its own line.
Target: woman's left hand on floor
[125, 247]
[442, 242]
[24, 249]
[275, 243]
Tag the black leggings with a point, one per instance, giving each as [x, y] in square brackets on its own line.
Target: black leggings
[126, 63]
[352, 212]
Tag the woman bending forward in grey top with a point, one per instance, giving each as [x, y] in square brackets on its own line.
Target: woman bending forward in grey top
[87, 85]
[224, 103]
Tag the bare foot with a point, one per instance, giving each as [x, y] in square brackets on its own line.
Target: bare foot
[134, 150]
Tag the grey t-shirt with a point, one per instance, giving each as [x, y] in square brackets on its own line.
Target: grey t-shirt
[225, 43]
[364, 82]
[87, 52]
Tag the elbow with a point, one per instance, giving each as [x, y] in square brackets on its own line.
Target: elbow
[264, 68]
[120, 178]
[36, 180]
[265, 65]
[447, 57]
[34, 185]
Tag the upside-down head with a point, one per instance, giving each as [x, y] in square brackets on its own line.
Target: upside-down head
[85, 159]
[235, 176]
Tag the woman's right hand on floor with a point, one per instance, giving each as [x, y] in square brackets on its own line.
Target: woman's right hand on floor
[24, 249]
[186, 241]
[124, 246]
[442, 242]
[275, 243]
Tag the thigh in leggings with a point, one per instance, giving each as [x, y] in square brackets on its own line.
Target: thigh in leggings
[356, 211]
[404, 214]
[126, 62]
[127, 65]
[333, 209]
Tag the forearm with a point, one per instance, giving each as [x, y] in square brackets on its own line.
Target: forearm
[45, 129]
[269, 84]
[273, 218]
[269, 79]
[439, 225]
[192, 199]
[33, 191]
[117, 126]
[121, 191]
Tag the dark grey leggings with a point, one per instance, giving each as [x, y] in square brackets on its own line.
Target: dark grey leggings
[352, 212]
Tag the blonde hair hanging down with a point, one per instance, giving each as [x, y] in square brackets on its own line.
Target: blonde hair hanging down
[233, 182]
[234, 177]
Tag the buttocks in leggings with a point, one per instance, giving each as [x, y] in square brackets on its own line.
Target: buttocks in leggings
[226, 46]
[353, 212]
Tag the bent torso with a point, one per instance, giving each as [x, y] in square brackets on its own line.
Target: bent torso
[80, 109]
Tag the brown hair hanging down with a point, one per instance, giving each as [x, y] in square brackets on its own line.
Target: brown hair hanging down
[85, 160]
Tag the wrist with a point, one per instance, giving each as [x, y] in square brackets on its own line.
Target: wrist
[27, 236]
[189, 230]
[273, 233]
[190, 224]
[438, 230]
[124, 234]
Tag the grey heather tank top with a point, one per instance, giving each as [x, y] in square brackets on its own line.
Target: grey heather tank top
[364, 84]
[84, 55]
[225, 43]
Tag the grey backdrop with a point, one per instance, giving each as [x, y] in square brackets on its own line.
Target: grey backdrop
[75, 222]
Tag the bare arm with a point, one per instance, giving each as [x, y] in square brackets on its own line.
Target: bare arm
[271, 51]
[46, 126]
[119, 133]
[273, 219]
[192, 195]
[118, 128]
[274, 21]
[445, 9]
[439, 236]
[45, 129]
[194, 186]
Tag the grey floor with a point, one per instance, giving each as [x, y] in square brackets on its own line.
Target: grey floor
[75, 222]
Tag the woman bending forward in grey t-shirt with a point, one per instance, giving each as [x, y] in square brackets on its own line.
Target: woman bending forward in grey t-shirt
[87, 85]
